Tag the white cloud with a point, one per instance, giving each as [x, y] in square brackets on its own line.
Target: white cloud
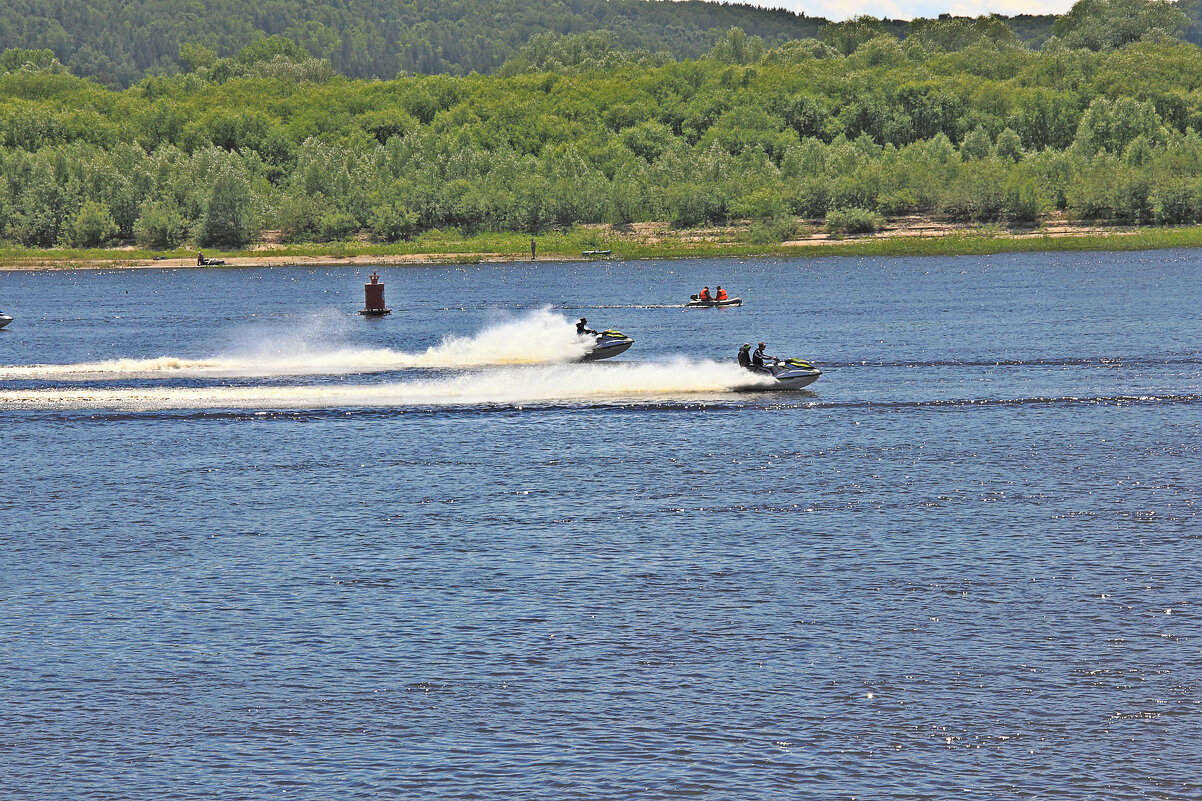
[909, 9]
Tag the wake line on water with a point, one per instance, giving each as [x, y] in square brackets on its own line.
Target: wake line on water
[626, 306]
[121, 404]
[1063, 400]
[506, 386]
[540, 337]
[1098, 361]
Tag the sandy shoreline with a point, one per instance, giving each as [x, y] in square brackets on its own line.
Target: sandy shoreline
[118, 262]
[647, 240]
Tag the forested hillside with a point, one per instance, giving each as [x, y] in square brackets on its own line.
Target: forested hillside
[119, 42]
[960, 120]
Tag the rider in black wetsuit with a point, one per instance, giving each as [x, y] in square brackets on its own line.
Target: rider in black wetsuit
[582, 329]
[745, 357]
[757, 358]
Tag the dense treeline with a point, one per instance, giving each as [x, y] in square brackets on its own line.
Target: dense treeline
[955, 122]
[119, 42]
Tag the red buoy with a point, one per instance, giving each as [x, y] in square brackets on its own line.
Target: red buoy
[373, 298]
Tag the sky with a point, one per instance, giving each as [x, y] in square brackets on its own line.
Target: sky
[908, 9]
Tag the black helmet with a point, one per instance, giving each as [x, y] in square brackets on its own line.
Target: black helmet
[583, 320]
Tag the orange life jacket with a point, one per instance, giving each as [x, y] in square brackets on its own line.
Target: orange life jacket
[722, 294]
[705, 295]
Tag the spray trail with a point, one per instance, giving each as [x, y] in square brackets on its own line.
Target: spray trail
[506, 386]
[540, 337]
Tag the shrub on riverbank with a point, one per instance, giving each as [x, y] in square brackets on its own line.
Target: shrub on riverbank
[853, 221]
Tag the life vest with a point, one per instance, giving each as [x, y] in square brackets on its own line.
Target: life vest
[722, 294]
[705, 295]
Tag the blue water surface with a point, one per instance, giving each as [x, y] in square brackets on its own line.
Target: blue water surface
[963, 564]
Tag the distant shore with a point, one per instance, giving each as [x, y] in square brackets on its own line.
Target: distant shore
[904, 236]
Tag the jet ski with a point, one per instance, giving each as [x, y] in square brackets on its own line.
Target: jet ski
[789, 374]
[4, 319]
[709, 304]
[609, 343]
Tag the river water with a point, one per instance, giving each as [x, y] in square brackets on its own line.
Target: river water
[254, 546]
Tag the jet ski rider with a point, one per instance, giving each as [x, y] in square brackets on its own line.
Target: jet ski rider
[745, 356]
[705, 295]
[582, 329]
[721, 296]
[757, 358]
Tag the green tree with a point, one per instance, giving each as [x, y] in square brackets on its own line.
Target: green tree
[1009, 146]
[196, 56]
[647, 140]
[43, 61]
[229, 215]
[949, 34]
[160, 225]
[392, 221]
[1105, 24]
[1176, 201]
[1111, 125]
[846, 37]
[92, 225]
[736, 47]
[976, 145]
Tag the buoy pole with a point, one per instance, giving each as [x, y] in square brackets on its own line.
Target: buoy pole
[373, 298]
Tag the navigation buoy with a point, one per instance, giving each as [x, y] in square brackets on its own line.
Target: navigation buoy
[373, 298]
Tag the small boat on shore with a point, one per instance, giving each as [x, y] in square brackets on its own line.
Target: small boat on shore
[595, 252]
[711, 304]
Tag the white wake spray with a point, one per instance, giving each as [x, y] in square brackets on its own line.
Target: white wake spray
[540, 337]
[612, 383]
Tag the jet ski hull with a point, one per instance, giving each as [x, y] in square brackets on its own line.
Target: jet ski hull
[786, 376]
[608, 345]
[796, 381]
[713, 304]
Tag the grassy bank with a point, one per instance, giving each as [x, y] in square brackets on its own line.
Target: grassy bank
[649, 242]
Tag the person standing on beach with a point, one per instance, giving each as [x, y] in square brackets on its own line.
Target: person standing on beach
[531, 249]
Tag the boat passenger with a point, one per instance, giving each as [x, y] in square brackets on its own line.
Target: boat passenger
[721, 296]
[745, 356]
[582, 327]
[705, 295]
[757, 358]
